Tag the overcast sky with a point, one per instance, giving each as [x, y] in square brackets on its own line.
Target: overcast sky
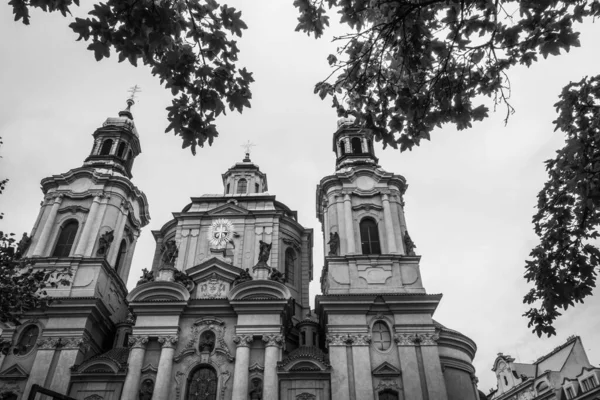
[470, 198]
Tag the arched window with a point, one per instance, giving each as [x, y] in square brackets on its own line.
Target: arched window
[382, 338]
[356, 146]
[369, 237]
[303, 338]
[202, 384]
[66, 238]
[129, 159]
[388, 394]
[342, 148]
[290, 258]
[370, 146]
[242, 186]
[27, 340]
[228, 187]
[505, 380]
[121, 150]
[106, 146]
[121, 255]
[256, 188]
[541, 386]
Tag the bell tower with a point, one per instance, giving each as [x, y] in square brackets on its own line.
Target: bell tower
[89, 223]
[374, 311]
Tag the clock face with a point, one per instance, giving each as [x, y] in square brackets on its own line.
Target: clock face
[220, 232]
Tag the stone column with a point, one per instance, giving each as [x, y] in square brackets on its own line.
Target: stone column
[119, 232]
[94, 226]
[389, 224]
[270, 385]
[410, 367]
[43, 358]
[339, 205]
[131, 386]
[339, 374]
[165, 367]
[436, 384]
[40, 248]
[69, 354]
[363, 381]
[87, 228]
[242, 362]
[349, 224]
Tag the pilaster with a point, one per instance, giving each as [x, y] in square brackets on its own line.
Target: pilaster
[340, 385]
[137, 351]
[40, 248]
[242, 362]
[273, 345]
[165, 367]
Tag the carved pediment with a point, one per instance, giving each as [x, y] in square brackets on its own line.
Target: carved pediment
[14, 372]
[214, 265]
[386, 370]
[215, 287]
[228, 209]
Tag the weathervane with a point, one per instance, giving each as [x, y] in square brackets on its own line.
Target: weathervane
[248, 145]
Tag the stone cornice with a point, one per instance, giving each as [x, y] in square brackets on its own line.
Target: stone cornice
[414, 339]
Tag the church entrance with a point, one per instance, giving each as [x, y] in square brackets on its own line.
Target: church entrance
[202, 384]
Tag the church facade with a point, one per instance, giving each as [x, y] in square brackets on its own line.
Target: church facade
[224, 310]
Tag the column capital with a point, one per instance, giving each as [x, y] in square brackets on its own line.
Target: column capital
[48, 343]
[243, 340]
[138, 342]
[273, 340]
[337, 340]
[168, 341]
[75, 343]
[359, 339]
[413, 339]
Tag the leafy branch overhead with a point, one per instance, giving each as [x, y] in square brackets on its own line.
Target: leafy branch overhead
[187, 43]
[563, 266]
[409, 66]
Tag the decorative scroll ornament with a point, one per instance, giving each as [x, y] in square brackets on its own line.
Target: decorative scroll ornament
[293, 242]
[138, 341]
[220, 232]
[168, 341]
[243, 340]
[337, 340]
[273, 340]
[212, 288]
[360, 340]
[428, 339]
[48, 343]
[76, 343]
[387, 384]
[306, 396]
[405, 339]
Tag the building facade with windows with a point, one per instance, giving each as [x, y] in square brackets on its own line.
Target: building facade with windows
[563, 374]
[223, 312]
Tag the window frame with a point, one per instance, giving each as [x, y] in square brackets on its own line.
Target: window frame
[291, 267]
[370, 242]
[384, 323]
[102, 151]
[121, 255]
[63, 225]
[352, 145]
[25, 329]
[237, 186]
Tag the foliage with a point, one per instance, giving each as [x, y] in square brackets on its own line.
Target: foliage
[186, 43]
[563, 264]
[410, 66]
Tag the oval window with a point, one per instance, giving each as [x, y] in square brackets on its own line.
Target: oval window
[382, 338]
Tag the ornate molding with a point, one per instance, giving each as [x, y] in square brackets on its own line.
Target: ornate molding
[293, 242]
[306, 396]
[76, 343]
[387, 384]
[168, 342]
[138, 342]
[413, 339]
[48, 343]
[243, 340]
[360, 340]
[256, 368]
[74, 209]
[337, 340]
[273, 340]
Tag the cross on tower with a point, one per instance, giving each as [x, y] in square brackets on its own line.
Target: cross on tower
[134, 90]
[248, 145]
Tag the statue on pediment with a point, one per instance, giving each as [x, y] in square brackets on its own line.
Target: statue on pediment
[104, 243]
[334, 243]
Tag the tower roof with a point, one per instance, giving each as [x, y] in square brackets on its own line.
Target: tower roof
[124, 120]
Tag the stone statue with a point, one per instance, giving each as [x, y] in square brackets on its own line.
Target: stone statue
[104, 243]
[146, 390]
[409, 244]
[169, 253]
[22, 246]
[256, 391]
[147, 276]
[265, 251]
[334, 243]
[243, 277]
[184, 279]
[276, 276]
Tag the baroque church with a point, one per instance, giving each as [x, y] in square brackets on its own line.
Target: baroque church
[224, 310]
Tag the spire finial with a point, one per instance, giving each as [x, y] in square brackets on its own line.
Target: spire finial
[248, 145]
[131, 100]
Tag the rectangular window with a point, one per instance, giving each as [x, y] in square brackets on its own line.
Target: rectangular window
[570, 393]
